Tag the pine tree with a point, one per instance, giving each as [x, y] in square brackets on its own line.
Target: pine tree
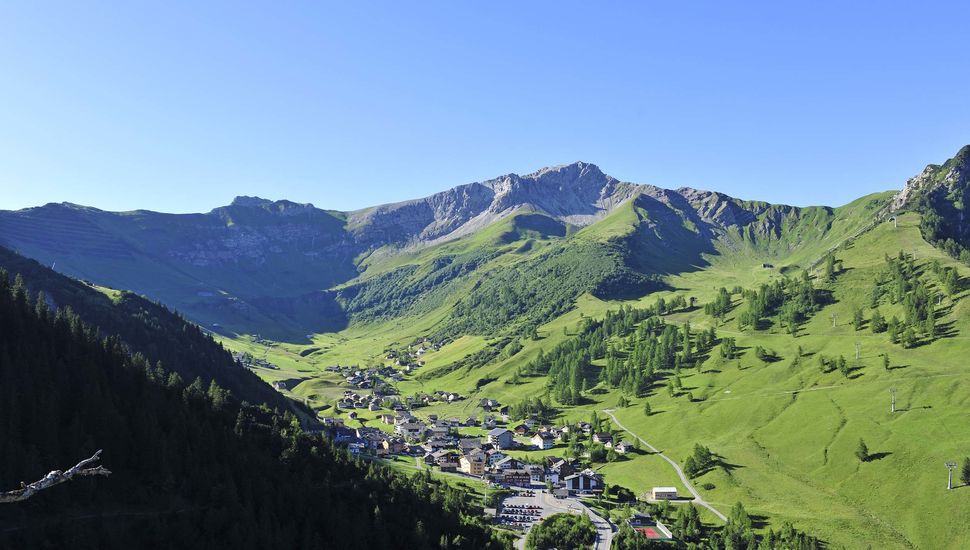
[862, 451]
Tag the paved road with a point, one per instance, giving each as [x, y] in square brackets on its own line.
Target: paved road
[552, 505]
[697, 496]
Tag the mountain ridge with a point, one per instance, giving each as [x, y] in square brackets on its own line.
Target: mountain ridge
[259, 264]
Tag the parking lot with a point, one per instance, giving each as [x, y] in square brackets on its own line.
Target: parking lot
[522, 510]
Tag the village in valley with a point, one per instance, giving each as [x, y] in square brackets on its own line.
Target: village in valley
[516, 457]
[532, 467]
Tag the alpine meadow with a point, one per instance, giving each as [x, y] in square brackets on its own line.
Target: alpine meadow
[485, 276]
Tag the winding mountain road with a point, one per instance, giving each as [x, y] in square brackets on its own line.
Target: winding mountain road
[683, 478]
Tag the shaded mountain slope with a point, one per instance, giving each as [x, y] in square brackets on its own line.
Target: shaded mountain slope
[146, 328]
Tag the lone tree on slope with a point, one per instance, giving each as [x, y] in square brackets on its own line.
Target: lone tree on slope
[862, 452]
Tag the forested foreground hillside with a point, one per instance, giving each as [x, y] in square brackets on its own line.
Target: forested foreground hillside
[191, 466]
[148, 328]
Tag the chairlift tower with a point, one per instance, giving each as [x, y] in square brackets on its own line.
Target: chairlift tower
[858, 349]
[949, 480]
[892, 400]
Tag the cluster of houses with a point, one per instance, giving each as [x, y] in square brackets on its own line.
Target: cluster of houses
[410, 359]
[436, 442]
[365, 379]
[354, 400]
[545, 436]
[249, 361]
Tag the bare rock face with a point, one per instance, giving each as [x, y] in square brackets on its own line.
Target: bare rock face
[915, 186]
[936, 181]
[578, 193]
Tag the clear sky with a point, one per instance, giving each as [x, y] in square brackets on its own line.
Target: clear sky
[181, 106]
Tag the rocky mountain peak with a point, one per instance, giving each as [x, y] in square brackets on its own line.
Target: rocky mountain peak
[953, 173]
[280, 207]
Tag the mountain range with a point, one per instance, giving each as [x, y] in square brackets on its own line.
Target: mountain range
[285, 269]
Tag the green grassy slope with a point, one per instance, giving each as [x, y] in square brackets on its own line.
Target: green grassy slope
[790, 432]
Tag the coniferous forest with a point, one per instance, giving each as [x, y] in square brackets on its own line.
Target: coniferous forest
[192, 466]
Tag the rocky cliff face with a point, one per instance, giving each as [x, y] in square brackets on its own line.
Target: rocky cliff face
[941, 194]
[936, 182]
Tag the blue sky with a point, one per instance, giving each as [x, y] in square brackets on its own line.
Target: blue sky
[181, 106]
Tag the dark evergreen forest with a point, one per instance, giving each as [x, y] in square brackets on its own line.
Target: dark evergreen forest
[193, 467]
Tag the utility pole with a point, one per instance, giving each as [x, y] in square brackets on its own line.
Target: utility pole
[835, 316]
[892, 402]
[949, 481]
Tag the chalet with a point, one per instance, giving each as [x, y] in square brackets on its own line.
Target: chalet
[439, 431]
[387, 419]
[394, 445]
[473, 463]
[489, 422]
[584, 482]
[521, 429]
[435, 443]
[364, 431]
[504, 412]
[543, 440]
[518, 478]
[508, 463]
[488, 404]
[558, 470]
[494, 455]
[664, 493]
[472, 421]
[469, 444]
[623, 447]
[501, 438]
[346, 404]
[374, 406]
[537, 473]
[352, 415]
[356, 447]
[443, 456]
[585, 427]
[343, 435]
[530, 423]
[603, 438]
[411, 430]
